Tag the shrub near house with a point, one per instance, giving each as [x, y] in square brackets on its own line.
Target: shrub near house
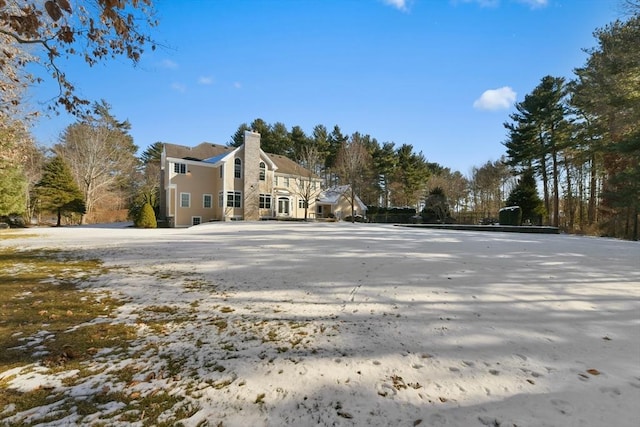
[146, 218]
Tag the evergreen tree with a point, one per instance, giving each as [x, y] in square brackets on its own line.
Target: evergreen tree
[384, 164]
[538, 134]
[58, 191]
[152, 153]
[411, 176]
[299, 140]
[277, 141]
[320, 138]
[606, 90]
[146, 218]
[237, 139]
[525, 195]
[436, 208]
[336, 140]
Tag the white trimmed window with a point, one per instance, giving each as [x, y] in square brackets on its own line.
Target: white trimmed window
[195, 220]
[180, 168]
[221, 199]
[286, 181]
[263, 171]
[303, 204]
[234, 199]
[265, 201]
[185, 200]
[237, 168]
[207, 201]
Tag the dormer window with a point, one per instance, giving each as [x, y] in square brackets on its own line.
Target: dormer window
[237, 168]
[263, 171]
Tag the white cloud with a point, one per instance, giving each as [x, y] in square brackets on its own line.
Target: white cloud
[496, 99]
[179, 87]
[535, 4]
[237, 85]
[205, 80]
[167, 63]
[402, 5]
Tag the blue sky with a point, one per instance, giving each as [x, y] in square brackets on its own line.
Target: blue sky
[441, 75]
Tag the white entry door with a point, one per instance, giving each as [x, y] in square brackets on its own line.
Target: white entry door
[283, 206]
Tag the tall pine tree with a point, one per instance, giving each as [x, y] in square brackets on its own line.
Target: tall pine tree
[537, 135]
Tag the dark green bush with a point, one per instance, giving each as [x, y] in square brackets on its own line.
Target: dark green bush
[390, 215]
[146, 217]
[511, 215]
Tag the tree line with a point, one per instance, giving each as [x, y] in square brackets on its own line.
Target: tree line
[581, 137]
[576, 140]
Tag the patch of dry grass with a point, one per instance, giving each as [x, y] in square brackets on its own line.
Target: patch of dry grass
[39, 291]
[48, 321]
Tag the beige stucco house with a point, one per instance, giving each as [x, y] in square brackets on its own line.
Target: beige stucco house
[213, 182]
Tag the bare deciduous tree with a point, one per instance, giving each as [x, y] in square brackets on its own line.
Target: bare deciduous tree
[308, 185]
[351, 164]
[101, 155]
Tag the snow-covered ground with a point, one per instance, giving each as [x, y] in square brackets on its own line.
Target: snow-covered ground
[371, 325]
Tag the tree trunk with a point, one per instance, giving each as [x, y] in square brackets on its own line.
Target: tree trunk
[581, 198]
[593, 186]
[353, 204]
[635, 223]
[569, 203]
[556, 195]
[545, 189]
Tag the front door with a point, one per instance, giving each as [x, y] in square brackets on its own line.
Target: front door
[283, 206]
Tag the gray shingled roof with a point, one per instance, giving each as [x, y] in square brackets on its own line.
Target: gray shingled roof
[199, 152]
[288, 166]
[206, 151]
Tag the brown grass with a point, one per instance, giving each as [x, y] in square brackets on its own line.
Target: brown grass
[40, 291]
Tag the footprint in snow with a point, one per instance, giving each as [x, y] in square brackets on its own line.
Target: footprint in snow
[562, 406]
[611, 391]
[386, 390]
[437, 420]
